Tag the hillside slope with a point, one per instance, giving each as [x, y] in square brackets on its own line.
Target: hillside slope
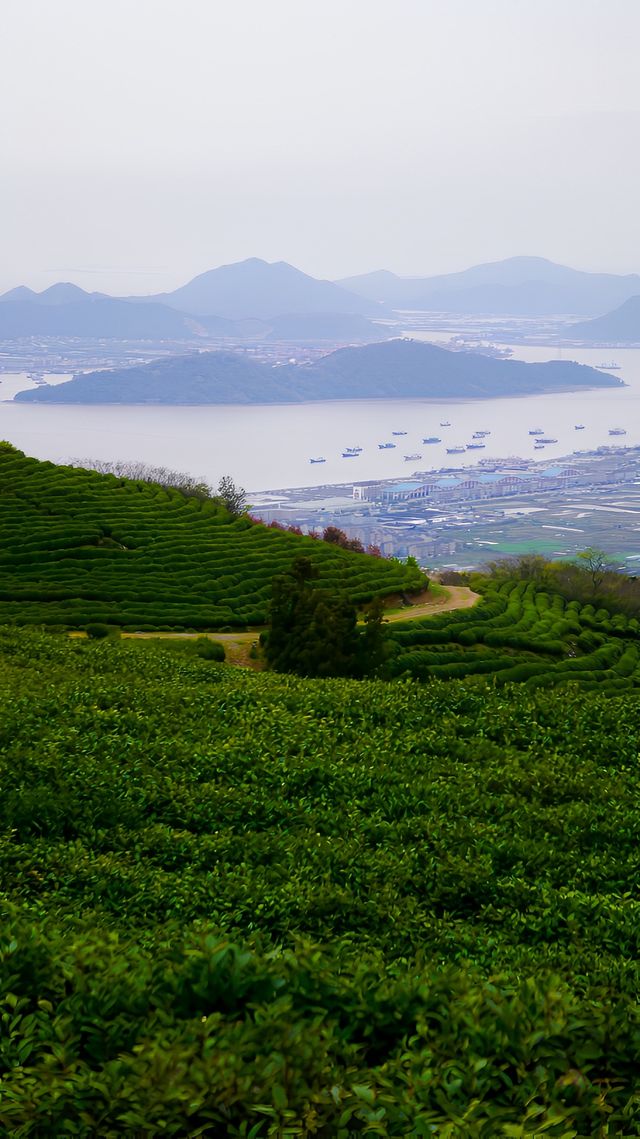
[392, 369]
[612, 328]
[78, 547]
[253, 905]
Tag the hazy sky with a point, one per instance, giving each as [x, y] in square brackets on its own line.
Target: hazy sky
[143, 141]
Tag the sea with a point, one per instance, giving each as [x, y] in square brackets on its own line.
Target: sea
[269, 447]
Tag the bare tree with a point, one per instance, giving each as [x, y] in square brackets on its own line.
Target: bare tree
[144, 472]
[597, 564]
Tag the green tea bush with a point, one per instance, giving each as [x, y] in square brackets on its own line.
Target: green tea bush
[74, 541]
[238, 903]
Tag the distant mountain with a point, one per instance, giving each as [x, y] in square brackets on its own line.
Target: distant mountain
[519, 286]
[612, 328]
[261, 289]
[395, 369]
[96, 318]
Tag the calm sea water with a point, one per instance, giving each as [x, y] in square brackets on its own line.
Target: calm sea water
[269, 446]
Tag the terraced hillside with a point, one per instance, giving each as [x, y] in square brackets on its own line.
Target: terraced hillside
[78, 547]
[520, 633]
[240, 904]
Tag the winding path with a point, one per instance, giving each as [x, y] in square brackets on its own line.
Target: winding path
[238, 645]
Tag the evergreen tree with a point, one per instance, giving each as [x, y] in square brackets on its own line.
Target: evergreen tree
[313, 631]
[232, 496]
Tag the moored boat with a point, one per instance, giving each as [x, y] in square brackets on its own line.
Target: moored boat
[385, 446]
[432, 439]
[320, 459]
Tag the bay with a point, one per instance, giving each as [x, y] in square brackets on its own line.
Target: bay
[269, 446]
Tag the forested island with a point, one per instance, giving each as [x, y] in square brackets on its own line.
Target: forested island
[399, 368]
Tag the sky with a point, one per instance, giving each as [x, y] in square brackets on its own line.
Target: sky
[145, 141]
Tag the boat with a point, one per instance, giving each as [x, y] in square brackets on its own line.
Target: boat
[318, 460]
[475, 446]
[455, 450]
[445, 423]
[353, 450]
[480, 434]
[617, 431]
[611, 366]
[538, 446]
[536, 431]
[579, 427]
[432, 439]
[544, 440]
[411, 458]
[385, 446]
[349, 454]
[398, 433]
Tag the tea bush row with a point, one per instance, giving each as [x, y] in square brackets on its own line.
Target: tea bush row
[74, 542]
[239, 903]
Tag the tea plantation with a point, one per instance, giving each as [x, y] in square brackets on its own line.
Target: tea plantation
[78, 547]
[240, 904]
[521, 633]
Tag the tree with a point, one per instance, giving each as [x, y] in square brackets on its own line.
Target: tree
[373, 641]
[312, 631]
[232, 496]
[597, 564]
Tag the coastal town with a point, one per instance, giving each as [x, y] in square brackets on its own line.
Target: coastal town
[459, 518]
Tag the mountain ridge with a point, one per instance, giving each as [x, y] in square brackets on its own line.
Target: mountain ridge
[521, 286]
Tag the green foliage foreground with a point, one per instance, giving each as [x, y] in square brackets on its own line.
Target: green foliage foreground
[247, 904]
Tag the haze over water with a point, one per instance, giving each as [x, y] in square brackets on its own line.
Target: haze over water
[269, 446]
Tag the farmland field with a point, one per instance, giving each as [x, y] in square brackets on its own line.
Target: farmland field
[79, 547]
[522, 633]
[247, 904]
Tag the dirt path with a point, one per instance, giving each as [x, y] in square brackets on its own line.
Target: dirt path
[455, 597]
[237, 646]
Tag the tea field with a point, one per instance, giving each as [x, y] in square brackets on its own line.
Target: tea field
[78, 547]
[521, 633]
[244, 904]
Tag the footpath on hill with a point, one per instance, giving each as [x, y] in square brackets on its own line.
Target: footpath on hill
[237, 645]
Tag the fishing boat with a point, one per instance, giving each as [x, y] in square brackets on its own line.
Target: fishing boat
[445, 423]
[538, 446]
[480, 434]
[349, 454]
[353, 450]
[385, 446]
[455, 450]
[398, 433]
[432, 439]
[536, 430]
[475, 446]
[617, 431]
[320, 459]
[544, 440]
[579, 427]
[411, 458]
